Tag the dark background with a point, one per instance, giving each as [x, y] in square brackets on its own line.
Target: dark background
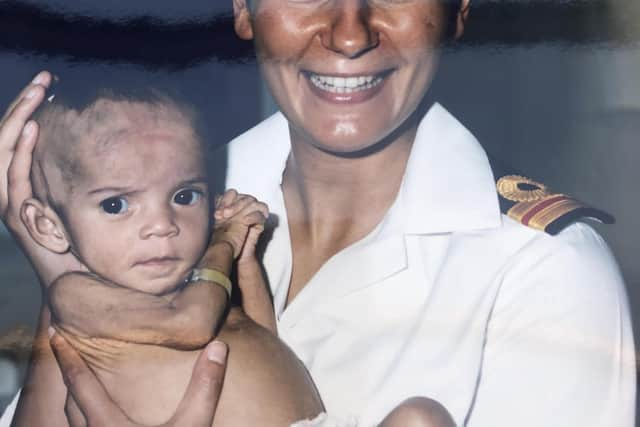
[549, 87]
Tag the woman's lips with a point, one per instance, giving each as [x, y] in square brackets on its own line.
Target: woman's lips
[346, 89]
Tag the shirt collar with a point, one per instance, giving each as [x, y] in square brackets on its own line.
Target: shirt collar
[448, 184]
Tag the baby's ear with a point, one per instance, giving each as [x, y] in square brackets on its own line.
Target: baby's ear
[44, 225]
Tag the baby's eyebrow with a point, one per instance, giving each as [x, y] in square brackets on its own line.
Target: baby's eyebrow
[195, 180]
[120, 190]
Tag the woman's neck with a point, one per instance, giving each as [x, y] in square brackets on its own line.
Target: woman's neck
[333, 201]
[331, 196]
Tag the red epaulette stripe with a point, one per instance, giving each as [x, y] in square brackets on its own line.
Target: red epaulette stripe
[540, 206]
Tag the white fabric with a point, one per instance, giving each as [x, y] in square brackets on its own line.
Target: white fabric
[325, 420]
[446, 298]
[7, 416]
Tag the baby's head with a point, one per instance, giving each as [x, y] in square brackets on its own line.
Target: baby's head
[121, 182]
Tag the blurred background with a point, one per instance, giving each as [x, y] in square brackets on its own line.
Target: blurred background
[549, 87]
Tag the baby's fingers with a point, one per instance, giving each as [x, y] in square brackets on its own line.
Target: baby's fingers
[226, 199]
[254, 218]
[226, 211]
[250, 212]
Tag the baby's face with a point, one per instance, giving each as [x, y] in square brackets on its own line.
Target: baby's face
[138, 212]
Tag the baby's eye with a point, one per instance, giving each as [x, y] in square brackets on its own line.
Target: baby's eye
[187, 197]
[114, 205]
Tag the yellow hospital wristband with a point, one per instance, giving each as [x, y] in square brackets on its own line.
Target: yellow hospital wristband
[212, 276]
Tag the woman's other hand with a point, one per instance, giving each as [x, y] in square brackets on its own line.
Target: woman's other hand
[93, 407]
[18, 136]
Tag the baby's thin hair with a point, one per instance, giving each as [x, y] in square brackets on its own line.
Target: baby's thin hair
[69, 108]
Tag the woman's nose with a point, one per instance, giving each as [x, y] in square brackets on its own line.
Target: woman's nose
[350, 32]
[160, 222]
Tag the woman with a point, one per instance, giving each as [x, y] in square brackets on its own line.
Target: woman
[393, 272]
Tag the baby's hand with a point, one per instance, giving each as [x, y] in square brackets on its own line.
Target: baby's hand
[239, 220]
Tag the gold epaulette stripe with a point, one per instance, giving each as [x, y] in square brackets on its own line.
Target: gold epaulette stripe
[550, 214]
[542, 213]
[521, 210]
[533, 204]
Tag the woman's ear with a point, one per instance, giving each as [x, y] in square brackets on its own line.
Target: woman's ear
[463, 15]
[44, 225]
[242, 19]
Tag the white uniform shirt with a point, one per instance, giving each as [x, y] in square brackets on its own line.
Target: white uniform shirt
[446, 298]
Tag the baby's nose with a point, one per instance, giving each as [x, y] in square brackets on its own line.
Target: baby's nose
[160, 222]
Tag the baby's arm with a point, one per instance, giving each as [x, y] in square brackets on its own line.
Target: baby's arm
[84, 304]
[256, 298]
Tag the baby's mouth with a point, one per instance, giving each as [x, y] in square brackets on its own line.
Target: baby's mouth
[157, 261]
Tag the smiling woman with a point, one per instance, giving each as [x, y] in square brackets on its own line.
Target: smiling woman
[359, 80]
[396, 274]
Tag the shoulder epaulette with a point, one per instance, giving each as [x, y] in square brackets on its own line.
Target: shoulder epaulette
[533, 204]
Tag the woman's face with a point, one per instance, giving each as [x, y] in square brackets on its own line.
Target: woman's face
[346, 73]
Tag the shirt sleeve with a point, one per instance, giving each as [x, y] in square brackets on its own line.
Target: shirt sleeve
[559, 347]
[7, 416]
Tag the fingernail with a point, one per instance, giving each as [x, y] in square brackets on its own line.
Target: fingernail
[51, 332]
[38, 79]
[31, 93]
[28, 129]
[217, 352]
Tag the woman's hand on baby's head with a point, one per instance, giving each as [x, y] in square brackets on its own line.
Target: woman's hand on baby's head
[239, 220]
[17, 139]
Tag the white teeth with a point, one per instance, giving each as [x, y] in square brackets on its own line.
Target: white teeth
[345, 84]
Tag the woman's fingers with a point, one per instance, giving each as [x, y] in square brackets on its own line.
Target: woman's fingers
[16, 116]
[89, 395]
[43, 78]
[198, 406]
[74, 414]
[18, 181]
[12, 128]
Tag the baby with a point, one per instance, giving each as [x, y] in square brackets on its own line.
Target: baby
[121, 182]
